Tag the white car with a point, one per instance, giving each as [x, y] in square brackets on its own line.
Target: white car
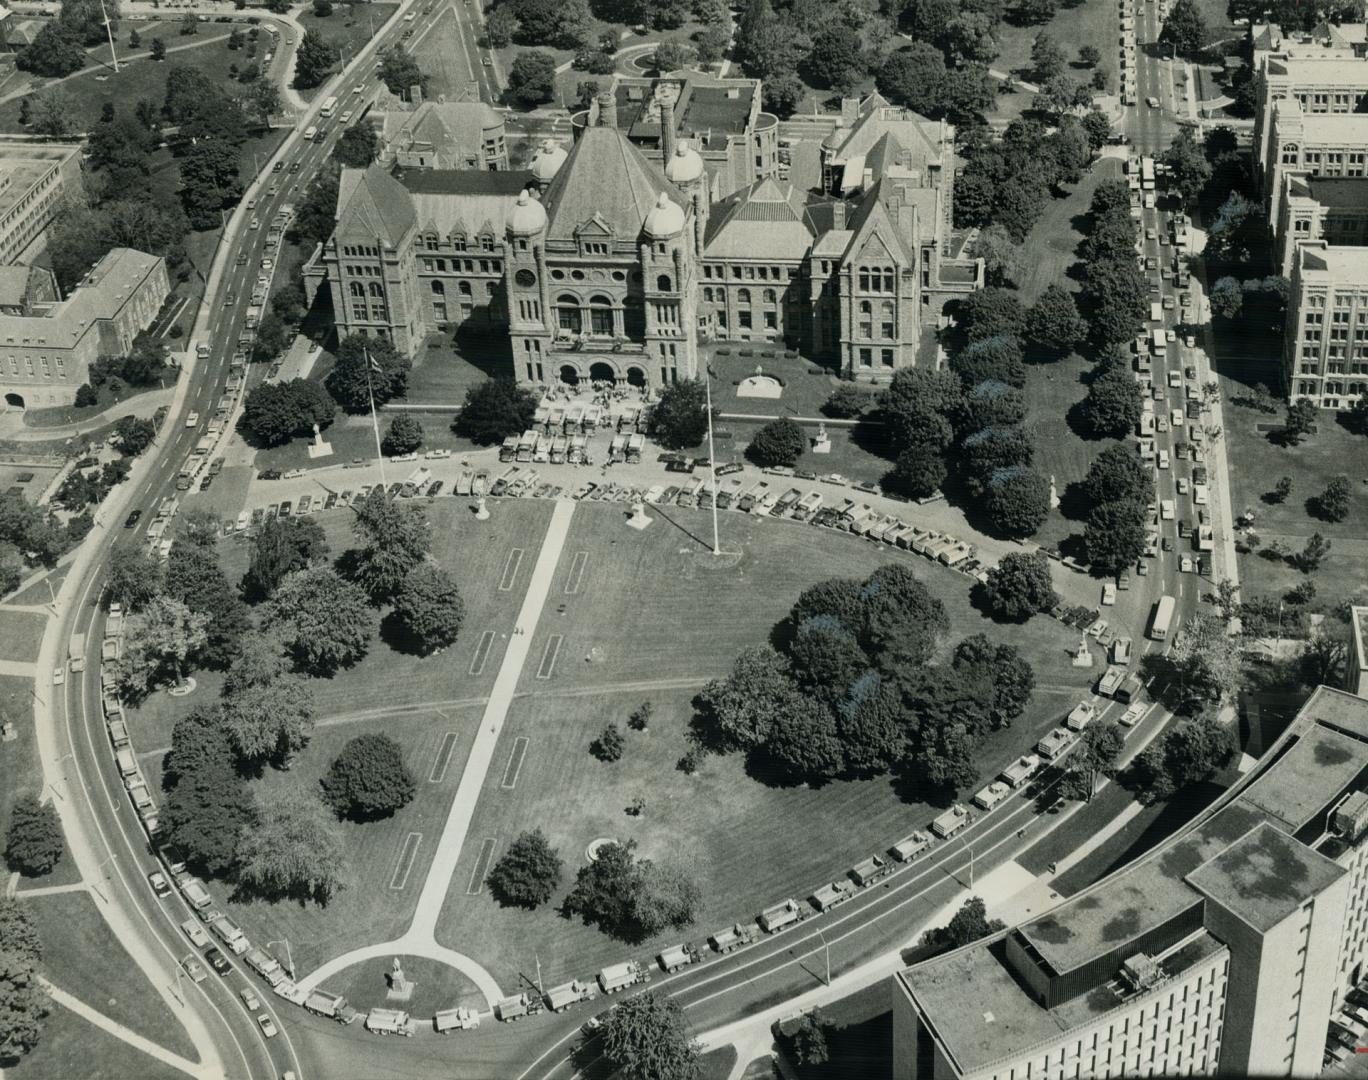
[1166, 510]
[1163, 459]
[249, 998]
[1152, 102]
[1171, 334]
[345, 118]
[1185, 564]
[358, 89]
[1108, 593]
[268, 1027]
[1190, 341]
[192, 420]
[267, 263]
[1175, 379]
[1176, 418]
[1182, 485]
[255, 223]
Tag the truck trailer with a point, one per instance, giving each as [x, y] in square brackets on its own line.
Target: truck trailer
[678, 956]
[560, 998]
[779, 916]
[725, 941]
[460, 1019]
[617, 977]
[390, 1022]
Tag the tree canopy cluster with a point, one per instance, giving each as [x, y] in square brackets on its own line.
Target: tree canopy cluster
[861, 689]
[23, 1001]
[1115, 292]
[630, 898]
[1119, 488]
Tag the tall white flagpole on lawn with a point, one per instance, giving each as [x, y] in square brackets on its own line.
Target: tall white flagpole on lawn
[712, 459]
[375, 423]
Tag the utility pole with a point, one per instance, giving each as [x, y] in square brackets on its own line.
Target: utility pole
[109, 32]
[827, 950]
[712, 458]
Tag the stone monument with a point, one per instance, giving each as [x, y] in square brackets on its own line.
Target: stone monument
[318, 448]
[1054, 494]
[821, 444]
[481, 511]
[400, 989]
[1083, 658]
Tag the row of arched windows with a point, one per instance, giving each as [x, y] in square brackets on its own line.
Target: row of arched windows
[358, 288]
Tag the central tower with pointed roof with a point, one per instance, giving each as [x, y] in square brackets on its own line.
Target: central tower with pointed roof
[601, 281]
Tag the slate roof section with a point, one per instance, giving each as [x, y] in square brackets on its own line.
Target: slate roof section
[769, 219]
[606, 177]
[371, 202]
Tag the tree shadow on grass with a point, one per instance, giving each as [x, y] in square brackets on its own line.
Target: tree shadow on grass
[1074, 503]
[397, 636]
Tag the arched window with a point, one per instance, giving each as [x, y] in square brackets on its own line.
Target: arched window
[463, 287]
[431, 240]
[663, 283]
[866, 308]
[568, 313]
[458, 241]
[1289, 154]
[376, 290]
[769, 296]
[438, 287]
[600, 315]
[743, 296]
[357, 289]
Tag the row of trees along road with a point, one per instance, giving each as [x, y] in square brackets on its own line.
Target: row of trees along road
[295, 615]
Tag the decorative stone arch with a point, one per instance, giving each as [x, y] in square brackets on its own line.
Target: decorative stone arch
[570, 374]
[601, 369]
[15, 401]
[636, 376]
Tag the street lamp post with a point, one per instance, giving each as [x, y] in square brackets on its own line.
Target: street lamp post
[289, 957]
[826, 949]
[712, 460]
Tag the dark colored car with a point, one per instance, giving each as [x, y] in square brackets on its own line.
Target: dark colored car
[132, 518]
[683, 465]
[285, 508]
[330, 501]
[217, 960]
[435, 489]
[278, 166]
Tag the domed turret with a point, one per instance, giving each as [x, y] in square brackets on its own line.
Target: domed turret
[685, 167]
[527, 216]
[546, 162]
[832, 141]
[666, 219]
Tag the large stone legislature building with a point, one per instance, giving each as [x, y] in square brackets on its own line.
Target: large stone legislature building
[614, 260]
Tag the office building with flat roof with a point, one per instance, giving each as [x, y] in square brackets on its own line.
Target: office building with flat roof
[1325, 348]
[47, 347]
[1225, 950]
[35, 179]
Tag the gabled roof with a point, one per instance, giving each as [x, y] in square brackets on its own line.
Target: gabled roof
[372, 203]
[872, 225]
[768, 217]
[605, 175]
[919, 138]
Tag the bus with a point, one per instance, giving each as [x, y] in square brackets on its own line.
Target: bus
[1158, 342]
[1146, 172]
[1163, 618]
[330, 107]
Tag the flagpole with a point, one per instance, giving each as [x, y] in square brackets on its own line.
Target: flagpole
[712, 459]
[375, 423]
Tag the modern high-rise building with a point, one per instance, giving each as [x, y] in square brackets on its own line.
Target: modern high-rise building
[1224, 951]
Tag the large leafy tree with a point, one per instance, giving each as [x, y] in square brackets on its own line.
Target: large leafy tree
[1020, 585]
[837, 57]
[367, 369]
[1184, 29]
[207, 803]
[33, 845]
[194, 577]
[429, 607]
[904, 622]
[840, 599]
[780, 442]
[803, 745]
[1119, 298]
[1000, 673]
[400, 72]
[680, 418]
[743, 709]
[1113, 404]
[1118, 475]
[160, 644]
[358, 146]
[826, 657]
[368, 779]
[53, 53]
[528, 873]
[323, 620]
[394, 539]
[314, 59]
[969, 923]
[493, 410]
[917, 406]
[1017, 500]
[647, 1038]
[132, 576]
[1185, 162]
[1191, 752]
[282, 546]
[1115, 535]
[89, 21]
[23, 1002]
[992, 404]
[531, 79]
[1098, 749]
[293, 849]
[1053, 324]
[632, 899]
[990, 359]
[991, 312]
[270, 721]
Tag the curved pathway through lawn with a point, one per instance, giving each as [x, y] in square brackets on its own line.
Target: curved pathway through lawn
[420, 938]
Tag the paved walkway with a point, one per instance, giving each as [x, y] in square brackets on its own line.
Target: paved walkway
[18, 668]
[12, 424]
[420, 938]
[104, 1023]
[51, 890]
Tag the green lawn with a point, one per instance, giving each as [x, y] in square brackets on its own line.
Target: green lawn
[21, 633]
[72, 1047]
[1092, 22]
[655, 609]
[19, 771]
[57, 415]
[82, 956]
[717, 1064]
[1256, 464]
[347, 29]
[37, 593]
[435, 985]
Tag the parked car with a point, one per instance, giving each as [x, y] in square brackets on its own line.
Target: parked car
[193, 968]
[268, 1027]
[249, 998]
[159, 884]
[217, 960]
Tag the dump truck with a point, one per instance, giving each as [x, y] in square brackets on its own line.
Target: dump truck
[1020, 770]
[265, 965]
[560, 998]
[828, 896]
[195, 894]
[1110, 680]
[1081, 716]
[870, 870]
[778, 916]
[635, 444]
[390, 1022]
[1055, 743]
[459, 1019]
[114, 622]
[509, 450]
[725, 941]
[618, 977]
[952, 821]
[512, 1008]
[911, 847]
[230, 934]
[993, 794]
[332, 1006]
[678, 956]
[109, 649]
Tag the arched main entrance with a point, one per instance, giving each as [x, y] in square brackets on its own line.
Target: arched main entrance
[636, 377]
[14, 401]
[569, 375]
[600, 371]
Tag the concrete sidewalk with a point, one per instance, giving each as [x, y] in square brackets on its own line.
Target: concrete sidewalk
[104, 1023]
[144, 405]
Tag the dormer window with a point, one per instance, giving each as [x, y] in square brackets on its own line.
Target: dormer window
[431, 241]
[458, 241]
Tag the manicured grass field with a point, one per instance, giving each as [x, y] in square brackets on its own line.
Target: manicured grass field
[82, 956]
[347, 29]
[72, 1047]
[1090, 22]
[658, 612]
[435, 986]
[19, 771]
[1256, 464]
[37, 593]
[21, 633]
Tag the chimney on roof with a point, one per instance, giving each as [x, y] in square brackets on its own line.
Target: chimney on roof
[667, 131]
[607, 108]
[838, 215]
[850, 111]
[416, 94]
